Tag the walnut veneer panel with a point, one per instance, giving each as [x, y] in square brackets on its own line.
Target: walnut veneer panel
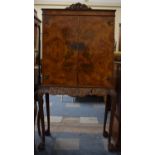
[95, 67]
[59, 55]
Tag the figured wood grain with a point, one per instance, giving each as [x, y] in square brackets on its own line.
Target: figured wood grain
[78, 48]
[95, 60]
[59, 58]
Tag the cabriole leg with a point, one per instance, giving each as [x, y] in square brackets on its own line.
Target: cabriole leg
[41, 146]
[47, 132]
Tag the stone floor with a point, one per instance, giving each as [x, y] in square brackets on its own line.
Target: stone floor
[76, 127]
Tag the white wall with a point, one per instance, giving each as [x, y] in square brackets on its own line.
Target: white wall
[94, 4]
[98, 2]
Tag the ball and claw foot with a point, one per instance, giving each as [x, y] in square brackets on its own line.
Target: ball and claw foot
[41, 146]
[47, 133]
[105, 134]
[112, 148]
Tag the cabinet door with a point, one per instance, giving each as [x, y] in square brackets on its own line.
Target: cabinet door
[59, 50]
[95, 52]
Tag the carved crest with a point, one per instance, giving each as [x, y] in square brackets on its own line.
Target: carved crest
[78, 6]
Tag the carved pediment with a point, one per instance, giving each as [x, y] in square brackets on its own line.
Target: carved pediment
[78, 6]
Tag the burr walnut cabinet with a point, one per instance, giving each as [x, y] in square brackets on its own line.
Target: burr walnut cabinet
[77, 54]
[78, 48]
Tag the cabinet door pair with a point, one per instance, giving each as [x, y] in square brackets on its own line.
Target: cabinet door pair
[78, 51]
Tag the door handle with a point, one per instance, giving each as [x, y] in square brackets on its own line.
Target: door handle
[80, 46]
[74, 45]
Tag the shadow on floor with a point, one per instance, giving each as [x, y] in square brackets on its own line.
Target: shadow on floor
[90, 99]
